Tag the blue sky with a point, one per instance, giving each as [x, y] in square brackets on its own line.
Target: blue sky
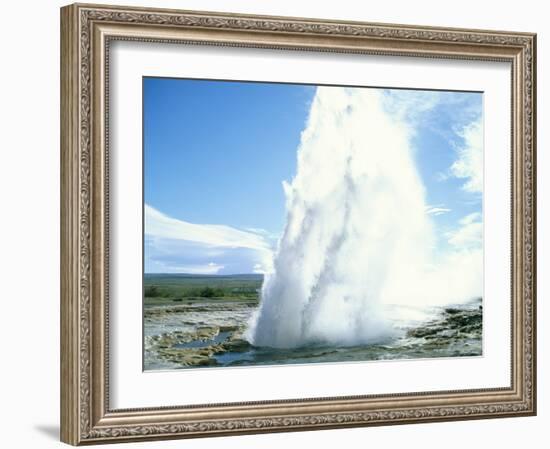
[216, 154]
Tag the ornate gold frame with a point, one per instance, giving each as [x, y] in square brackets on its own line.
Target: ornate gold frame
[86, 31]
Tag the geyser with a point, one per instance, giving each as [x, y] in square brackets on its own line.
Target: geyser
[357, 236]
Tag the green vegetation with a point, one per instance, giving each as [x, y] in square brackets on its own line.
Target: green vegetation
[173, 288]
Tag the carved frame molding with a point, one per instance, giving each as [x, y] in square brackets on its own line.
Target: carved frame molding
[87, 31]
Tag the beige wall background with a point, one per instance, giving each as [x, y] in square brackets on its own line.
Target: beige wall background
[29, 221]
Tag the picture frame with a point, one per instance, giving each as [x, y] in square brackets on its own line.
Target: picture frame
[87, 33]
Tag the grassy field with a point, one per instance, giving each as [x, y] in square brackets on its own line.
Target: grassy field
[164, 289]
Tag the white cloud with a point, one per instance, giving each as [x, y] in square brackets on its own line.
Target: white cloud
[471, 218]
[469, 234]
[263, 233]
[469, 165]
[209, 268]
[175, 245]
[158, 224]
[437, 210]
[259, 269]
[411, 105]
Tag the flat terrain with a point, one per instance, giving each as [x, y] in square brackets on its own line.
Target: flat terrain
[173, 289]
[201, 321]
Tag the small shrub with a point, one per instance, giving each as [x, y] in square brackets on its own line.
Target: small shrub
[207, 292]
[151, 291]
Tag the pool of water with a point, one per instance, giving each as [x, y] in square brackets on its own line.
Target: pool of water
[196, 344]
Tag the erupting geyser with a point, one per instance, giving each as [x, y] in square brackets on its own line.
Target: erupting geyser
[357, 236]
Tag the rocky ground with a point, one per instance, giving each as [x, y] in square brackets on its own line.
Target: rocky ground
[190, 335]
[457, 332]
[211, 334]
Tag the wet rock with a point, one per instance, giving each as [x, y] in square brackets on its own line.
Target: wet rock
[236, 345]
[457, 332]
[452, 310]
[426, 331]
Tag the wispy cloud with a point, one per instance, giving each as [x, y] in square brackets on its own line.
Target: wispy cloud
[469, 164]
[174, 245]
[421, 109]
[437, 210]
[209, 268]
[469, 234]
[264, 233]
[411, 105]
[160, 225]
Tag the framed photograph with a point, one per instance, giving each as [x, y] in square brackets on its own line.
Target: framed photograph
[278, 224]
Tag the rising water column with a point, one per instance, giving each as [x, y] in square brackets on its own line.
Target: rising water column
[357, 235]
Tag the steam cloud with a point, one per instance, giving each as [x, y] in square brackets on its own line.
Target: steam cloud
[358, 236]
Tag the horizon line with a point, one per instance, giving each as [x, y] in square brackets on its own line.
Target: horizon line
[207, 274]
